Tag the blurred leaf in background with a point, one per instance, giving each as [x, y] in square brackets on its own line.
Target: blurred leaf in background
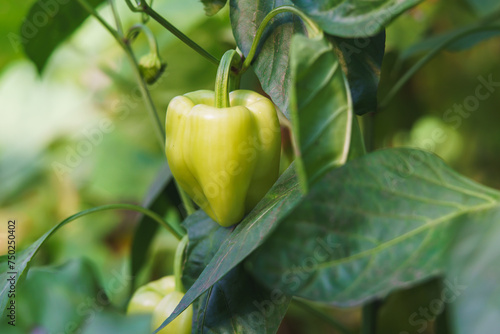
[58, 290]
[425, 113]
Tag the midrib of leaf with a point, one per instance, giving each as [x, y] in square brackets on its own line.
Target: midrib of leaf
[243, 233]
[402, 237]
[333, 116]
[491, 203]
[358, 279]
[350, 115]
[324, 127]
[382, 214]
[277, 200]
[414, 197]
[361, 276]
[320, 86]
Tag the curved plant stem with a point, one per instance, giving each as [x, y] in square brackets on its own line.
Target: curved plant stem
[132, 7]
[134, 31]
[174, 229]
[145, 8]
[179, 256]
[425, 59]
[322, 315]
[30, 252]
[222, 85]
[312, 29]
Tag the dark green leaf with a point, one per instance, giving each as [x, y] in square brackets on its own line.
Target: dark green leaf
[236, 303]
[212, 7]
[473, 274]
[361, 59]
[246, 237]
[48, 24]
[161, 196]
[271, 64]
[353, 18]
[321, 108]
[376, 224]
[205, 238]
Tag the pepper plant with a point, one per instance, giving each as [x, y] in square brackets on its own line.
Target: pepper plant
[340, 225]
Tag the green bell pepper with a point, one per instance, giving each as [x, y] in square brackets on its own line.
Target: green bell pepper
[225, 159]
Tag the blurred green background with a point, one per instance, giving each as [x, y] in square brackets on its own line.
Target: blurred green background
[45, 120]
[79, 136]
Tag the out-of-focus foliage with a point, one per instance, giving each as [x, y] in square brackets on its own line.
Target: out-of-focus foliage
[59, 290]
[80, 136]
[426, 113]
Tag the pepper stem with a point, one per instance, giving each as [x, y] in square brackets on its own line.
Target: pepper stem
[179, 254]
[138, 28]
[222, 85]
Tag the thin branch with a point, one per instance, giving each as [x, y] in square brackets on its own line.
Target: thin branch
[118, 22]
[144, 7]
[370, 313]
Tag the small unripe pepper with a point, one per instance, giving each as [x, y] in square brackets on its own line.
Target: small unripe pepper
[180, 325]
[148, 296]
[160, 298]
[225, 159]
